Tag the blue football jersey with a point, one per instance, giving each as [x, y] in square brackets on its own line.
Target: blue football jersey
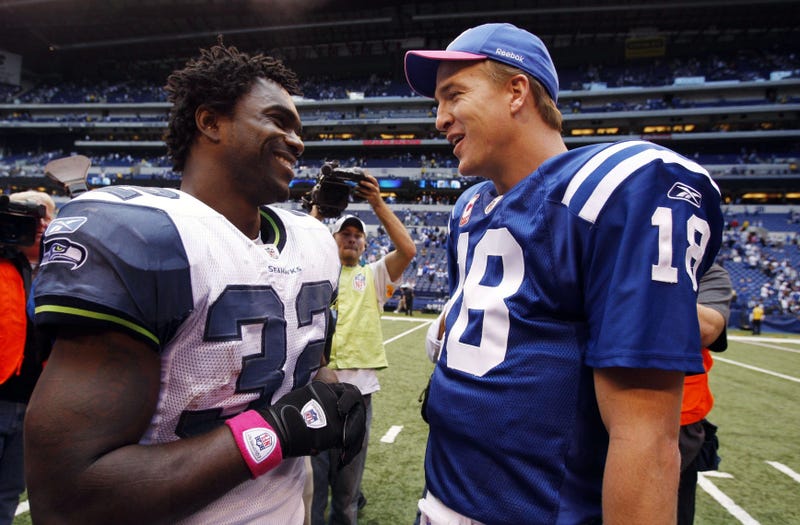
[591, 261]
[237, 323]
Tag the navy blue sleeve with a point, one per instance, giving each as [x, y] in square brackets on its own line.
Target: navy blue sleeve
[114, 265]
[649, 247]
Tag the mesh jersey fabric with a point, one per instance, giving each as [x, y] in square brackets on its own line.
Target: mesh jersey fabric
[236, 324]
[583, 264]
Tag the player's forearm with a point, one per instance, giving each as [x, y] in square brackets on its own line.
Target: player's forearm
[640, 484]
[712, 323]
[139, 484]
[396, 230]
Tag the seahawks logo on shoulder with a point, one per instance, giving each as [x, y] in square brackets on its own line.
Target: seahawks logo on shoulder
[682, 192]
[63, 251]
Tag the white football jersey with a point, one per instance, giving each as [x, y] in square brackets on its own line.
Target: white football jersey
[237, 323]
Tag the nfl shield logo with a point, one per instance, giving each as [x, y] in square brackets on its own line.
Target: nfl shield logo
[360, 282]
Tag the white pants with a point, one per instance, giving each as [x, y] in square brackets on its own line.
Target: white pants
[434, 512]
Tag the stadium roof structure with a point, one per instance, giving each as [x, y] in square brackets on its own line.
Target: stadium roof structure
[79, 36]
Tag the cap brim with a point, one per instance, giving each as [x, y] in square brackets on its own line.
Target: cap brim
[349, 220]
[421, 67]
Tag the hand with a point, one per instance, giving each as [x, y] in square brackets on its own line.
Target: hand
[319, 417]
[369, 189]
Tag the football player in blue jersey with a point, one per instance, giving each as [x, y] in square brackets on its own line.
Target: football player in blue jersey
[557, 391]
[189, 324]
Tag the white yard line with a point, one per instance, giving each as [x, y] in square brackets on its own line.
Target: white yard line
[727, 503]
[786, 470]
[22, 508]
[717, 474]
[410, 318]
[754, 338]
[756, 369]
[774, 347]
[391, 434]
[423, 324]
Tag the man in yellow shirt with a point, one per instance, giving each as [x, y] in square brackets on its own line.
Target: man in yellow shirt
[758, 316]
[357, 351]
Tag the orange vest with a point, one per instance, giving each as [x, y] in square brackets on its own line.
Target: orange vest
[12, 320]
[697, 398]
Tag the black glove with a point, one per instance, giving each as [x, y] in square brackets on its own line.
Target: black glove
[318, 417]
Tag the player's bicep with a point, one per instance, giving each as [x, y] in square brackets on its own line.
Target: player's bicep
[633, 400]
[101, 391]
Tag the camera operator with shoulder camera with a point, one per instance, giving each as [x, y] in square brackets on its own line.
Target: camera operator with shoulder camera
[23, 219]
[357, 351]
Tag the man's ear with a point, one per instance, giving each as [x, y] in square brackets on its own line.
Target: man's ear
[520, 87]
[207, 121]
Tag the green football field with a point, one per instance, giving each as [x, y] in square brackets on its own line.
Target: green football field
[756, 383]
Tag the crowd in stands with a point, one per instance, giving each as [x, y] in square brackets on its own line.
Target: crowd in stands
[762, 253]
[742, 66]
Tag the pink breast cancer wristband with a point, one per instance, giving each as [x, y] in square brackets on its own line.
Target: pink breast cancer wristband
[257, 442]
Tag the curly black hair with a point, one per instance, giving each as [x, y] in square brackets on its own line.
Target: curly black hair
[217, 78]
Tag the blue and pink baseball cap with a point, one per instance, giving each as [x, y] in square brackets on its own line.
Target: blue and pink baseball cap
[504, 43]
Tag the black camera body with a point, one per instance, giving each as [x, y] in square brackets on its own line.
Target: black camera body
[19, 222]
[333, 189]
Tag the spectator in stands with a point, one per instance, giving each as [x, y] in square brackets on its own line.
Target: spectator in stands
[23, 351]
[697, 433]
[537, 276]
[357, 352]
[188, 324]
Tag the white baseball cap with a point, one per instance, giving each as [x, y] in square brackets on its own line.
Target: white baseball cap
[349, 220]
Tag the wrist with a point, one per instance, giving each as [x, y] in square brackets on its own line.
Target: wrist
[257, 441]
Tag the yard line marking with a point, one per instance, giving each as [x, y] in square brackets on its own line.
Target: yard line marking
[786, 470]
[424, 324]
[22, 508]
[751, 338]
[727, 503]
[406, 318]
[763, 371]
[782, 349]
[717, 474]
[391, 434]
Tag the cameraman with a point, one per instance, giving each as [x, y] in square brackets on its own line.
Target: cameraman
[357, 352]
[22, 352]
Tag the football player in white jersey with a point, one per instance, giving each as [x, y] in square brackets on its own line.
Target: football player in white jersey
[557, 391]
[189, 324]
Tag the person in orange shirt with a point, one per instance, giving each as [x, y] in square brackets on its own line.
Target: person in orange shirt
[698, 436]
[22, 350]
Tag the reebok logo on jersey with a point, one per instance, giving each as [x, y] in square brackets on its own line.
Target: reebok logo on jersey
[63, 251]
[65, 225]
[313, 415]
[260, 443]
[682, 192]
[509, 54]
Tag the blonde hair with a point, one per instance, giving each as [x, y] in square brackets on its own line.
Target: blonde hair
[547, 108]
[37, 197]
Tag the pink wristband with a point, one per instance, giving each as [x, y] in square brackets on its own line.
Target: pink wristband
[257, 441]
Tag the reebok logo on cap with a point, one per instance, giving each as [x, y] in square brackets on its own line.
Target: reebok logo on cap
[509, 54]
[505, 43]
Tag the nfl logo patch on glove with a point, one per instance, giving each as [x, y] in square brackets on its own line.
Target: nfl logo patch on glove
[313, 415]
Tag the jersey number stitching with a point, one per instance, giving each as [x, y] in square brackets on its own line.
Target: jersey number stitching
[262, 372]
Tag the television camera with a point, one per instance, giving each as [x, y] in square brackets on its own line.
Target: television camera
[333, 189]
